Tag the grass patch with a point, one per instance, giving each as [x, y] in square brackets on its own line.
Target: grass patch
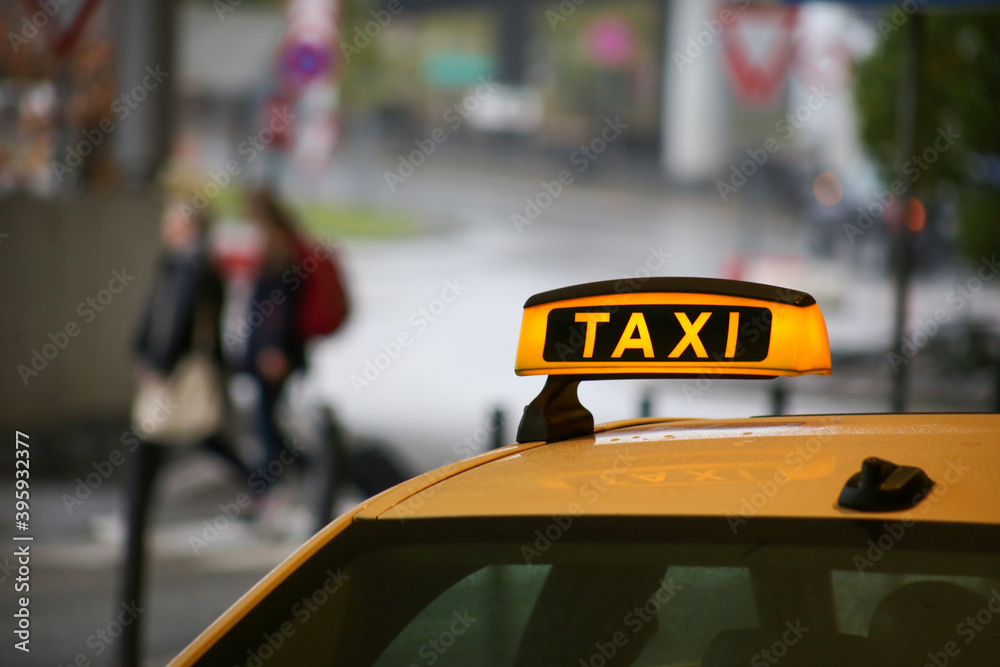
[322, 218]
[331, 219]
[353, 221]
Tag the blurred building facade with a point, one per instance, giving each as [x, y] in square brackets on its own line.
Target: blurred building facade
[97, 106]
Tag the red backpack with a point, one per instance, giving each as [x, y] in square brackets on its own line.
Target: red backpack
[323, 305]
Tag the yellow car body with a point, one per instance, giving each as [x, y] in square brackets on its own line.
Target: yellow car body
[656, 542]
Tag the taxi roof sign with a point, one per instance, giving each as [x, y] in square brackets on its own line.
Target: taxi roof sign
[672, 327]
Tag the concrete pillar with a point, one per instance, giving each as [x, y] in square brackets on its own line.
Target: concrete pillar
[146, 80]
[694, 126]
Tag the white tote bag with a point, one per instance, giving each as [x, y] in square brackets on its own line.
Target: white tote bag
[191, 403]
[184, 407]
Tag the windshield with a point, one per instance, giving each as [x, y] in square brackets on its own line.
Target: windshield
[562, 595]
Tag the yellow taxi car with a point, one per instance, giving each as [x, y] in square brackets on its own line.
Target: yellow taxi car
[804, 540]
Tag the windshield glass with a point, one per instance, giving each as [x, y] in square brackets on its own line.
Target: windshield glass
[561, 601]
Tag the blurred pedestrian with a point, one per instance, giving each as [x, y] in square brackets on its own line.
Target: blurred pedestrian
[298, 295]
[274, 348]
[181, 399]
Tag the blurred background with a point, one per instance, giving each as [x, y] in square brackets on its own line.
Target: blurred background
[460, 156]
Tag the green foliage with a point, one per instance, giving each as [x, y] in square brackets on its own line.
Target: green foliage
[959, 89]
[362, 65]
[388, 48]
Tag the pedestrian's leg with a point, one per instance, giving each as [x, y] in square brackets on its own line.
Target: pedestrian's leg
[267, 423]
[220, 446]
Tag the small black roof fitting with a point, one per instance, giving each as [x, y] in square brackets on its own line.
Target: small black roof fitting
[883, 486]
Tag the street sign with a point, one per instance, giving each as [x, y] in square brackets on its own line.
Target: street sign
[759, 46]
[308, 50]
[302, 62]
[308, 66]
[60, 37]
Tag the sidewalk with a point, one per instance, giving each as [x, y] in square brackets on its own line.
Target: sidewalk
[200, 561]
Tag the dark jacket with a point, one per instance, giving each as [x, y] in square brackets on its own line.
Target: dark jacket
[185, 282]
[274, 322]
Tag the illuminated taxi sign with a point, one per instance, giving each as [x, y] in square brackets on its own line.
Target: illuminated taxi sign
[681, 333]
[675, 326]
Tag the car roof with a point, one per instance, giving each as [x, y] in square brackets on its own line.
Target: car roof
[775, 467]
[792, 466]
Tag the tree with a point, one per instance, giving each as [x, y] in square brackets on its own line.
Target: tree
[959, 96]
